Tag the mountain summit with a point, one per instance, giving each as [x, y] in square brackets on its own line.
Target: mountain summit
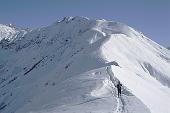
[73, 66]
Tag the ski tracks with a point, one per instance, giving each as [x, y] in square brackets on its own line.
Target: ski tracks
[120, 106]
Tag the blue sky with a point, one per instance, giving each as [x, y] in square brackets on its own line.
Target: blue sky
[152, 17]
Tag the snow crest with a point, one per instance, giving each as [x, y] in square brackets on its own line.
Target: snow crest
[73, 66]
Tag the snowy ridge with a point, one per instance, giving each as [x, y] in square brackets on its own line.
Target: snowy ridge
[73, 66]
[7, 32]
[8, 35]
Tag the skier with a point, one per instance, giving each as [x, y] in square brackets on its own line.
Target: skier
[119, 85]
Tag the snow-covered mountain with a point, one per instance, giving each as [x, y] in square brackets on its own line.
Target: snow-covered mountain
[73, 66]
[168, 48]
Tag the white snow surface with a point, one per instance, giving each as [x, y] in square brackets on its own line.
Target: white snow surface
[73, 66]
[7, 32]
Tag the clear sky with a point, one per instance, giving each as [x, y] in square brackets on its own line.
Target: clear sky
[152, 17]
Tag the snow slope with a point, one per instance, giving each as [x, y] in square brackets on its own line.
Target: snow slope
[73, 65]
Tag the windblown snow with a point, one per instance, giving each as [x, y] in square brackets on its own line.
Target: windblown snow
[73, 66]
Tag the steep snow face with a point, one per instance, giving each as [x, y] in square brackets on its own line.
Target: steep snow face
[73, 66]
[145, 68]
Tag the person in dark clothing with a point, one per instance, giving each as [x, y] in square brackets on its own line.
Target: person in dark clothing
[119, 86]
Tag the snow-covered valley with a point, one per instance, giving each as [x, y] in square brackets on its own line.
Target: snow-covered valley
[73, 66]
